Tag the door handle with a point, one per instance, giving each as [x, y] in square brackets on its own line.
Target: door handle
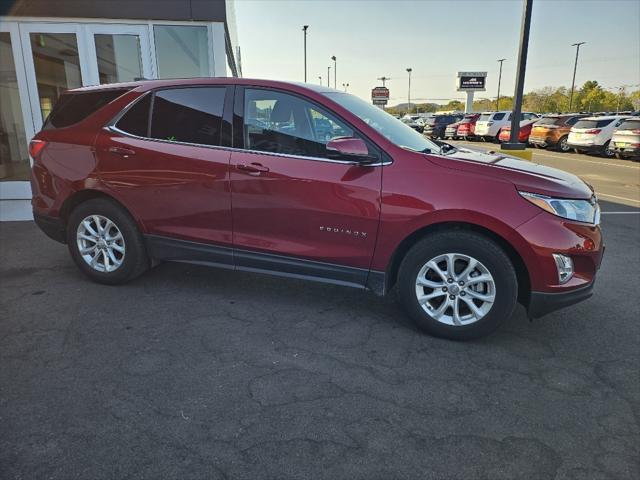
[253, 168]
[125, 152]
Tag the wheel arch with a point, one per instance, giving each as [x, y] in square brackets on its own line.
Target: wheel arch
[522, 272]
[84, 195]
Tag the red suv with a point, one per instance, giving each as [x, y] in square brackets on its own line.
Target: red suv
[308, 182]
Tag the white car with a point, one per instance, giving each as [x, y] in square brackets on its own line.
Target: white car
[593, 134]
[489, 124]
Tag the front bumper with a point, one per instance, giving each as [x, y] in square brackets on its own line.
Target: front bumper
[542, 303]
[53, 227]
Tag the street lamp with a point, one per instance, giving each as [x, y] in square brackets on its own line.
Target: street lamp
[335, 72]
[345, 86]
[575, 67]
[328, 75]
[320, 79]
[304, 29]
[499, 79]
[409, 70]
[384, 79]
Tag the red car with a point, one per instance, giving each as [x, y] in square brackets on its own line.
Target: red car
[308, 182]
[523, 134]
[467, 126]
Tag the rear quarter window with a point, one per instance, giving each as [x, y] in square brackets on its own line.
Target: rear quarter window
[136, 120]
[72, 108]
[498, 116]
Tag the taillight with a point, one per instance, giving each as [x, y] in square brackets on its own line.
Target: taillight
[36, 147]
[593, 131]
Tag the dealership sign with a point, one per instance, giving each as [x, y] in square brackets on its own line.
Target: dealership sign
[471, 81]
[380, 96]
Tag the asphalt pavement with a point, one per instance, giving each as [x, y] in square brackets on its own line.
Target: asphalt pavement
[193, 373]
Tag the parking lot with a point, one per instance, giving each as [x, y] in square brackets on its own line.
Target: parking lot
[190, 372]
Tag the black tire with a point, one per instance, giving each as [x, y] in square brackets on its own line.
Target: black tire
[474, 245]
[135, 260]
[577, 150]
[562, 144]
[606, 152]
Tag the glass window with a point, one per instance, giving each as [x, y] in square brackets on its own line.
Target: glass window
[74, 107]
[281, 123]
[119, 58]
[573, 120]
[485, 117]
[14, 158]
[630, 125]
[57, 66]
[192, 115]
[136, 120]
[181, 51]
[498, 116]
[386, 125]
[592, 123]
[549, 121]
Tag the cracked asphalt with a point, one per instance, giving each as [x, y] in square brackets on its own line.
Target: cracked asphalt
[194, 373]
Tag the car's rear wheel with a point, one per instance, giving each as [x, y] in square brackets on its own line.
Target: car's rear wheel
[105, 242]
[458, 285]
[607, 151]
[621, 156]
[562, 144]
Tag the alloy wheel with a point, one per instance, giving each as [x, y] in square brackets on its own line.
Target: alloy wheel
[455, 289]
[100, 243]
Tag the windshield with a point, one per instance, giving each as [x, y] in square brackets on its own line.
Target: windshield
[630, 125]
[592, 123]
[485, 117]
[548, 121]
[391, 128]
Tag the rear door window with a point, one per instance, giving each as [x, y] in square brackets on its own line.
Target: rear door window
[72, 108]
[136, 120]
[190, 115]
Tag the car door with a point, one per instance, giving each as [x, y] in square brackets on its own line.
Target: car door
[163, 159]
[295, 210]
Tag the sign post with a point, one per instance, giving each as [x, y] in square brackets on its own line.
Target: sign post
[380, 96]
[471, 82]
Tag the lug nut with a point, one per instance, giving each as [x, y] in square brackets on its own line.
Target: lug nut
[444, 289]
[452, 297]
[461, 284]
[462, 294]
[450, 280]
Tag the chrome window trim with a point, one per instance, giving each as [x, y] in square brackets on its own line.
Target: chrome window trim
[115, 129]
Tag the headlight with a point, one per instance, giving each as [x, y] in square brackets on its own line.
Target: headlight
[587, 211]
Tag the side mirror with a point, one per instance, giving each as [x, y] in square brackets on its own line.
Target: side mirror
[349, 148]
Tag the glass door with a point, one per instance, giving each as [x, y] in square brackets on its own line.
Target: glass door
[118, 53]
[52, 54]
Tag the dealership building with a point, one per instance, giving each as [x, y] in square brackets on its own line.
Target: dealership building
[49, 46]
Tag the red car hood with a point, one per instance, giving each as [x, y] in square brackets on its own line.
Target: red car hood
[526, 176]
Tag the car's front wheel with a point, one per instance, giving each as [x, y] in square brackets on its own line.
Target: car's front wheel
[105, 242]
[607, 151]
[458, 285]
[562, 144]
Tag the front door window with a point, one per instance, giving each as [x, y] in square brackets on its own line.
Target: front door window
[57, 66]
[119, 58]
[14, 158]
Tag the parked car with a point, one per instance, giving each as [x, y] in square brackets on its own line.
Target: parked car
[626, 138]
[489, 124]
[553, 131]
[467, 126]
[451, 132]
[593, 134]
[414, 121]
[436, 126]
[199, 171]
[523, 133]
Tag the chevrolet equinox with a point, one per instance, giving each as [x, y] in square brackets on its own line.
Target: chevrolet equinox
[307, 182]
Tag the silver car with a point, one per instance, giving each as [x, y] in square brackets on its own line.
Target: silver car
[626, 138]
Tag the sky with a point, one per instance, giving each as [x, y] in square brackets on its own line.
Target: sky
[375, 38]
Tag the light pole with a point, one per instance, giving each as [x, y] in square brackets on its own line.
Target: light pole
[335, 72]
[304, 29]
[384, 79]
[328, 76]
[522, 68]
[345, 86]
[575, 67]
[499, 79]
[320, 79]
[409, 70]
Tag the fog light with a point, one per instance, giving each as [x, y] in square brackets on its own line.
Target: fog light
[564, 265]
